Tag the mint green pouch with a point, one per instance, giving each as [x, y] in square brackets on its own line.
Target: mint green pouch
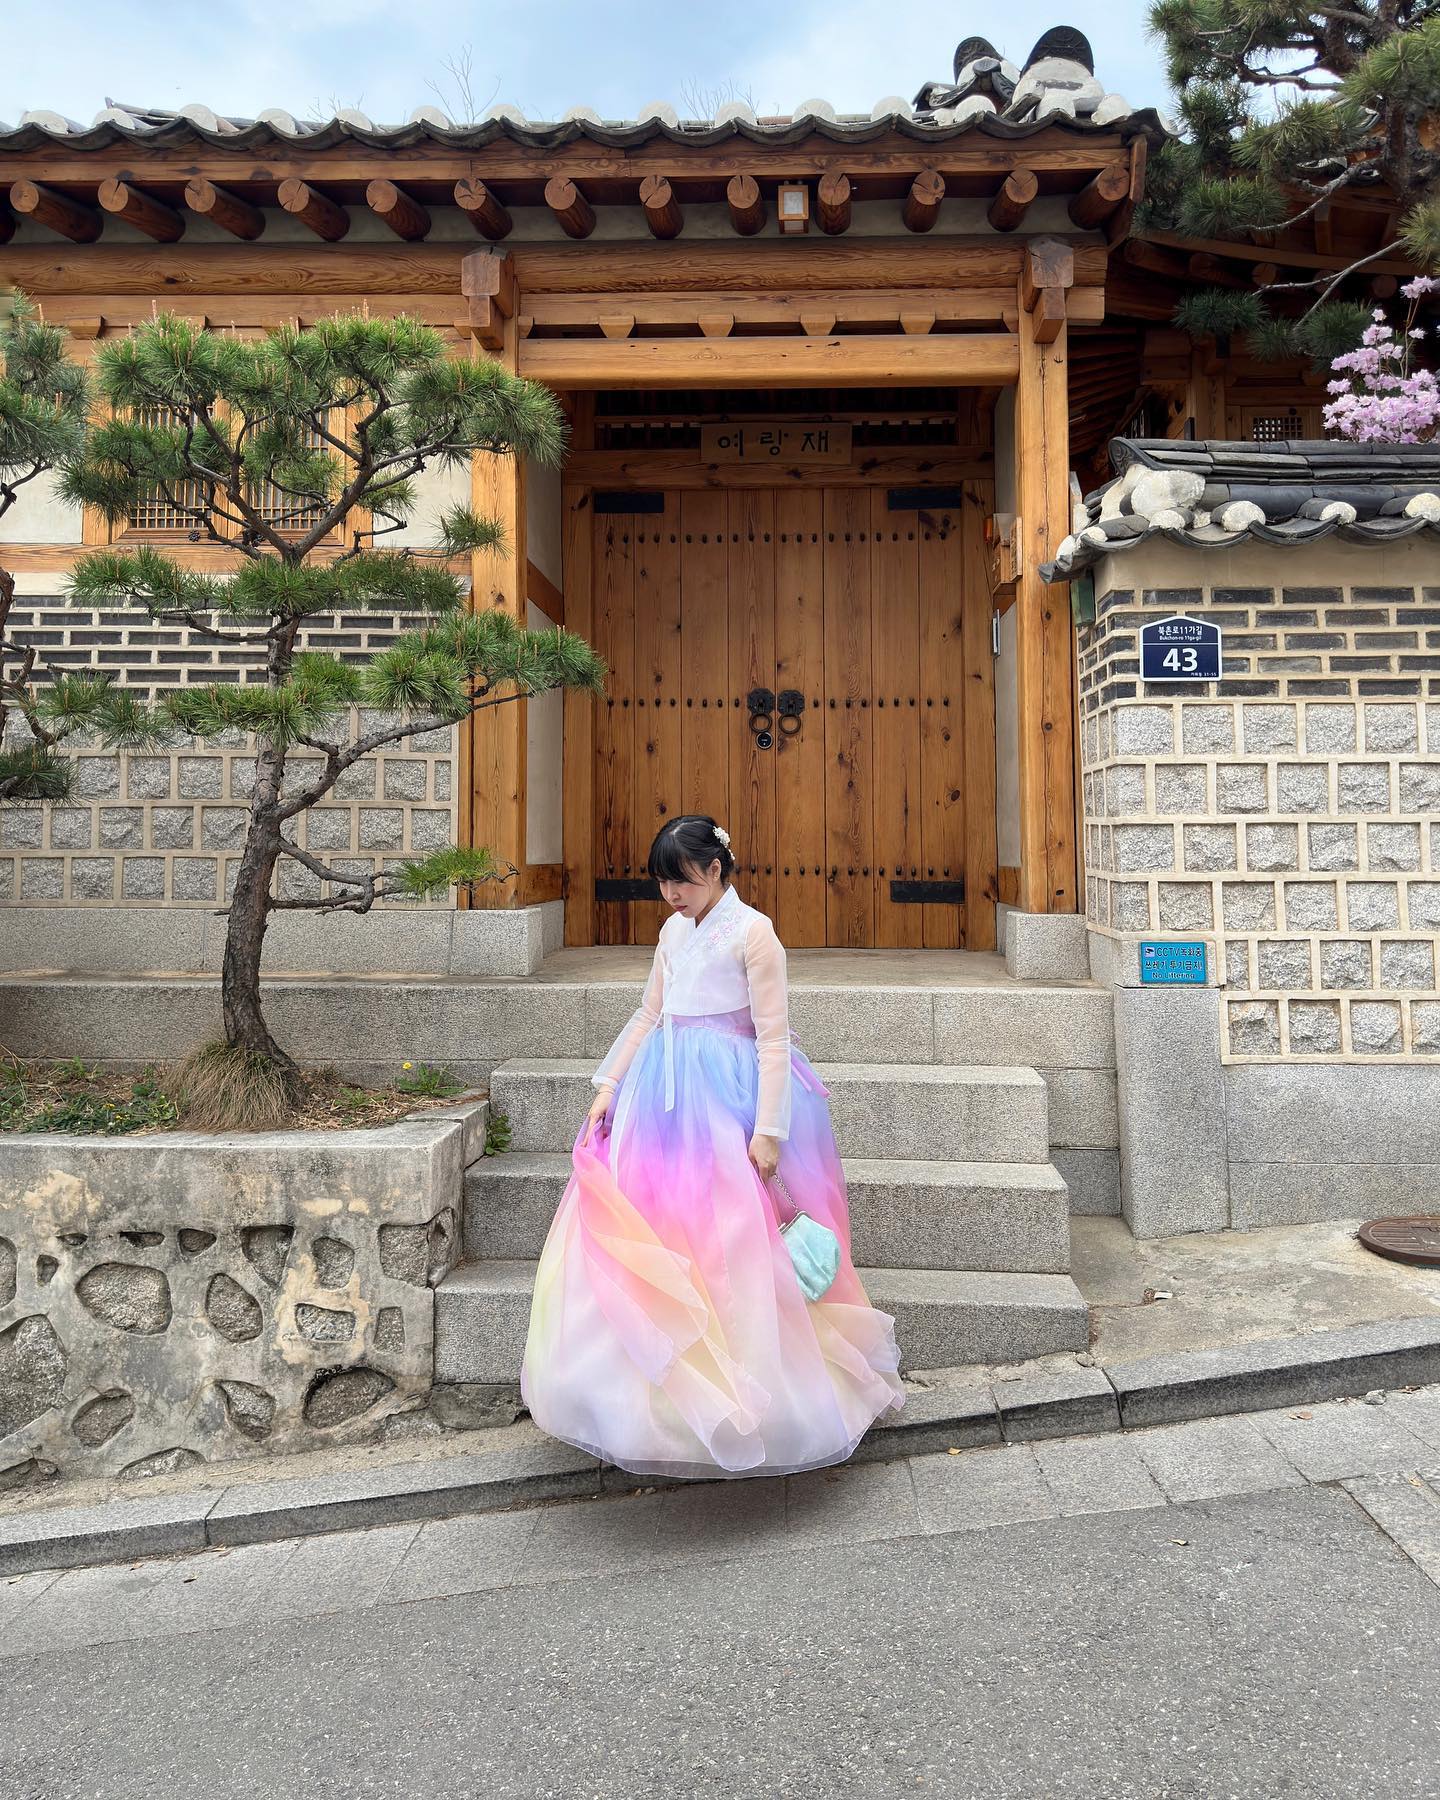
[814, 1249]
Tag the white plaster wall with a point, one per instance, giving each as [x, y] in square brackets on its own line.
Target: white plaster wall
[544, 763]
[437, 490]
[1005, 451]
[40, 516]
[543, 521]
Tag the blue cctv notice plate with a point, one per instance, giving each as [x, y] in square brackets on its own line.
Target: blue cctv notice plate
[1172, 965]
[1180, 649]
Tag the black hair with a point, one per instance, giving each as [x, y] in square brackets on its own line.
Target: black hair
[685, 848]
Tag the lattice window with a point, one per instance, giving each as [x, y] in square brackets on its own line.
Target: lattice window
[285, 511]
[167, 510]
[1262, 427]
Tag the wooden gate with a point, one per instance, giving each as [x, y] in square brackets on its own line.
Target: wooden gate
[858, 784]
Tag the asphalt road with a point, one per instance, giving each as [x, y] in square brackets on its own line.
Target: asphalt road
[999, 1624]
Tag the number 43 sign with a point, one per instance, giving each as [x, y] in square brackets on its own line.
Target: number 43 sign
[1180, 649]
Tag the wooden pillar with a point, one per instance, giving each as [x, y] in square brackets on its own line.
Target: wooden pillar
[577, 556]
[497, 749]
[1205, 392]
[1044, 653]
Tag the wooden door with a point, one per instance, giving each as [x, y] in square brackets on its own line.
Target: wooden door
[867, 817]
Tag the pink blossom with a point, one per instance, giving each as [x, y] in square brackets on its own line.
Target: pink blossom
[1375, 401]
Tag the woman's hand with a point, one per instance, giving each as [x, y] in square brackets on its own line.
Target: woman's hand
[765, 1155]
[595, 1119]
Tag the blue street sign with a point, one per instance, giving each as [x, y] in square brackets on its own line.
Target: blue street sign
[1173, 965]
[1180, 649]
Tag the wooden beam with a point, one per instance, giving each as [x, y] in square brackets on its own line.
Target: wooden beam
[1044, 657]
[687, 470]
[1320, 227]
[969, 156]
[487, 281]
[617, 325]
[573, 212]
[865, 309]
[832, 204]
[1101, 195]
[661, 208]
[747, 209]
[314, 210]
[1287, 257]
[853, 361]
[402, 212]
[578, 771]
[482, 209]
[715, 324]
[143, 211]
[1016, 195]
[922, 203]
[56, 211]
[543, 591]
[222, 208]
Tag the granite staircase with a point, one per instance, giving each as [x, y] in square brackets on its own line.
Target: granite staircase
[959, 1215]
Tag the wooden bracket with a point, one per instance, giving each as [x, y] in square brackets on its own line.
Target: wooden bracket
[1002, 541]
[487, 280]
[1047, 273]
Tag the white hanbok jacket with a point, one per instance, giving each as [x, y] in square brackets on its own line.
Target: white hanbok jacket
[731, 962]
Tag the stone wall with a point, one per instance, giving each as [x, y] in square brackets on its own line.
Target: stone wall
[1288, 812]
[182, 1298]
[151, 829]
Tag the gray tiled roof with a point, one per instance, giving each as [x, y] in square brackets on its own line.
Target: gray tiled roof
[1212, 495]
[1056, 86]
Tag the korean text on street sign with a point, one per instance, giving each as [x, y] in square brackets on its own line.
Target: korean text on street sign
[1180, 649]
[1173, 964]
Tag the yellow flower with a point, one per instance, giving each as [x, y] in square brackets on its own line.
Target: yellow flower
[407, 1065]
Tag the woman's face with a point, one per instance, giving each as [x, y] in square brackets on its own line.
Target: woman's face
[692, 897]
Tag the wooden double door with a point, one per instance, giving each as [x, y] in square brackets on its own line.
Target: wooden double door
[812, 667]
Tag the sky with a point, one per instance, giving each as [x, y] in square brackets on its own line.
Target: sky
[387, 57]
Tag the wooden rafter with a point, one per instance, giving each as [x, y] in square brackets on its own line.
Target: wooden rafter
[832, 204]
[922, 203]
[402, 212]
[662, 210]
[483, 210]
[1102, 195]
[747, 209]
[57, 212]
[573, 212]
[142, 210]
[815, 312]
[208, 201]
[317, 211]
[1014, 199]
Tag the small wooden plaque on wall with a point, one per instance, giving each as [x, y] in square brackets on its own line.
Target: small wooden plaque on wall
[758, 441]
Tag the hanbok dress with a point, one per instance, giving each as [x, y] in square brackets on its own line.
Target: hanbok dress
[668, 1332]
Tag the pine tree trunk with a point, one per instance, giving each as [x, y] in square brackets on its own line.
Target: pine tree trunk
[7, 600]
[245, 1024]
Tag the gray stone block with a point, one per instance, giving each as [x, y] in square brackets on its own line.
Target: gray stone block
[1101, 1474]
[1284, 963]
[71, 827]
[116, 1530]
[1339, 1115]
[193, 878]
[1242, 788]
[381, 828]
[1030, 1027]
[1208, 848]
[1207, 730]
[1375, 1028]
[431, 828]
[1392, 846]
[1194, 1384]
[142, 877]
[1272, 847]
[1171, 1111]
[329, 828]
[404, 778]
[42, 878]
[1329, 729]
[1144, 730]
[1143, 848]
[200, 777]
[1363, 787]
[1254, 1027]
[261, 1512]
[1092, 1180]
[1345, 963]
[836, 1024]
[1267, 728]
[223, 827]
[1201, 1459]
[1420, 787]
[1311, 906]
[509, 941]
[1186, 906]
[953, 1411]
[1248, 905]
[1314, 1031]
[1083, 1108]
[1302, 788]
[1408, 964]
[1302, 1193]
[1372, 905]
[1391, 727]
[92, 878]
[22, 825]
[1055, 1402]
[1052, 946]
[147, 777]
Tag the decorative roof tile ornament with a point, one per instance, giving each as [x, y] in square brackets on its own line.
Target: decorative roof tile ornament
[1056, 87]
[1209, 495]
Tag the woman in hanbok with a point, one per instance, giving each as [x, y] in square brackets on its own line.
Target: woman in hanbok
[670, 1330]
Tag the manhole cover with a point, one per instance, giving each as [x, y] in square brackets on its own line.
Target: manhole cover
[1412, 1240]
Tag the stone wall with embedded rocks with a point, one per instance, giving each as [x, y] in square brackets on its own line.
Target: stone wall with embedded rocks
[1288, 812]
[179, 1298]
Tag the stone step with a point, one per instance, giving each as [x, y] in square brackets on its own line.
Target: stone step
[933, 1111]
[1007, 1217]
[943, 1318]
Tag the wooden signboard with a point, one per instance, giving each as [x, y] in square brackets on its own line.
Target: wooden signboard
[760, 441]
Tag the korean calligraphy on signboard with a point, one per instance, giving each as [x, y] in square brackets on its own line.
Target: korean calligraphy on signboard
[758, 440]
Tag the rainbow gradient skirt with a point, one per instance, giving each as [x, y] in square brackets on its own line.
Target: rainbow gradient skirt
[668, 1333]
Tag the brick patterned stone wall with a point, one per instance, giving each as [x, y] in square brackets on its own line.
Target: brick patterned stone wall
[167, 828]
[1288, 812]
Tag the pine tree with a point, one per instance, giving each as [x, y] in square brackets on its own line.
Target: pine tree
[299, 453]
[44, 403]
[1284, 107]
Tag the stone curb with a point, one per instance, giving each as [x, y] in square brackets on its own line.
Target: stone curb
[955, 1409]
